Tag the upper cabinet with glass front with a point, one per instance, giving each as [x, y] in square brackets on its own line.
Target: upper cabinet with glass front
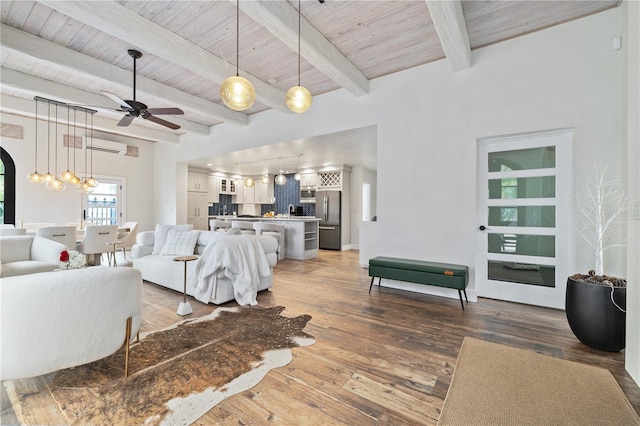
[227, 186]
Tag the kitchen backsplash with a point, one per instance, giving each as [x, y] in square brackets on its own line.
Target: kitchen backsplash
[286, 194]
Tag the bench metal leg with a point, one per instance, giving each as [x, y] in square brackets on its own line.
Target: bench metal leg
[371, 285]
[465, 296]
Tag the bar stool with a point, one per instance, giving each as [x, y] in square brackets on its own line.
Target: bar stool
[275, 230]
[245, 227]
[214, 224]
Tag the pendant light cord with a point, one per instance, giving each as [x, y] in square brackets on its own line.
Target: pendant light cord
[237, 38]
[36, 163]
[56, 128]
[299, 12]
[91, 134]
[48, 136]
[68, 136]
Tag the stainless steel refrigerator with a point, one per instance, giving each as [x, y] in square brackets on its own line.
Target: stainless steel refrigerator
[328, 210]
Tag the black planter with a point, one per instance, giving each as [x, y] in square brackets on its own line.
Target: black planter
[593, 317]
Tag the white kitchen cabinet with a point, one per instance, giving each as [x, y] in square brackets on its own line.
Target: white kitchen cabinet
[308, 180]
[248, 195]
[213, 195]
[197, 182]
[198, 210]
[227, 186]
[264, 191]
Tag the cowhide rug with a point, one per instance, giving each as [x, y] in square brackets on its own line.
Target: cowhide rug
[178, 374]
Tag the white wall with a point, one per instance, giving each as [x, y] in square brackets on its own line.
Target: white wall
[632, 40]
[34, 203]
[428, 120]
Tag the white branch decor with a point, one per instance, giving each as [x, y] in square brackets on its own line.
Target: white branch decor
[599, 208]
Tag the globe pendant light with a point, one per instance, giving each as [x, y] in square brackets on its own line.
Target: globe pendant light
[249, 182]
[91, 181]
[48, 177]
[68, 175]
[36, 177]
[85, 187]
[281, 179]
[75, 180]
[237, 92]
[298, 97]
[265, 177]
[56, 184]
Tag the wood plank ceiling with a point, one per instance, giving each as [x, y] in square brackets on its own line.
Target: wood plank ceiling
[70, 51]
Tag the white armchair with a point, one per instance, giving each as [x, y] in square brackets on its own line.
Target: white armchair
[26, 254]
[95, 242]
[63, 234]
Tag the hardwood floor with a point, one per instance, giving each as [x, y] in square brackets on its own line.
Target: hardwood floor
[380, 358]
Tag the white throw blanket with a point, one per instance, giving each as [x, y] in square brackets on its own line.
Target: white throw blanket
[243, 261]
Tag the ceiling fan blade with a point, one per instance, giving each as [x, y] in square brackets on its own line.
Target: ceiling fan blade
[117, 99]
[161, 121]
[165, 111]
[126, 120]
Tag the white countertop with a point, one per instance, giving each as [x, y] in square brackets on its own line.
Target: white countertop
[253, 219]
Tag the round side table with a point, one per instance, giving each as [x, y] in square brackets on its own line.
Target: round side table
[185, 307]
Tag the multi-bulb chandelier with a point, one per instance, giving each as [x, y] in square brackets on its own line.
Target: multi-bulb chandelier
[51, 181]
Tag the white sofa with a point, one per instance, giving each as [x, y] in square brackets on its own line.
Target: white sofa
[56, 320]
[164, 271]
[28, 254]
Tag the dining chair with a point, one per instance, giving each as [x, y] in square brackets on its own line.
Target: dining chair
[6, 231]
[96, 240]
[128, 238]
[63, 234]
[33, 226]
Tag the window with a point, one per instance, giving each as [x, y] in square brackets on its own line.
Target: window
[7, 188]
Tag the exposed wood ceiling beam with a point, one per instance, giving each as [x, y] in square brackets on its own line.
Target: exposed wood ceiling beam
[451, 27]
[34, 86]
[68, 60]
[26, 108]
[119, 21]
[281, 20]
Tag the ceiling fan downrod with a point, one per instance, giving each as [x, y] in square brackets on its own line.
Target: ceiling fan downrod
[135, 54]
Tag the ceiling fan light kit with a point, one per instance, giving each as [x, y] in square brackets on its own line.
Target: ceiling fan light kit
[237, 92]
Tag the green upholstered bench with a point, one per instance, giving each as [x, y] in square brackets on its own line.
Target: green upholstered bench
[420, 272]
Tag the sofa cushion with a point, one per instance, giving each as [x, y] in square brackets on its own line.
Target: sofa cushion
[15, 248]
[25, 267]
[180, 243]
[161, 235]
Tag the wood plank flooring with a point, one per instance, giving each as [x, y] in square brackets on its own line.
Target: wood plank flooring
[380, 358]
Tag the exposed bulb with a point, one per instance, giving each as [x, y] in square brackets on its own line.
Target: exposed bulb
[249, 182]
[48, 177]
[265, 179]
[281, 179]
[92, 182]
[297, 176]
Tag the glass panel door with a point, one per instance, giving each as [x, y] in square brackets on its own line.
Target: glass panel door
[104, 205]
[524, 218]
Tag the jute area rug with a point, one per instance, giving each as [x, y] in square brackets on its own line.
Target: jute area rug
[180, 373]
[500, 385]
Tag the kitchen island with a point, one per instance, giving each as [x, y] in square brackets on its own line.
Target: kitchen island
[301, 233]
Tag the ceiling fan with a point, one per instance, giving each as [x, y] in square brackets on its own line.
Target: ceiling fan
[135, 109]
